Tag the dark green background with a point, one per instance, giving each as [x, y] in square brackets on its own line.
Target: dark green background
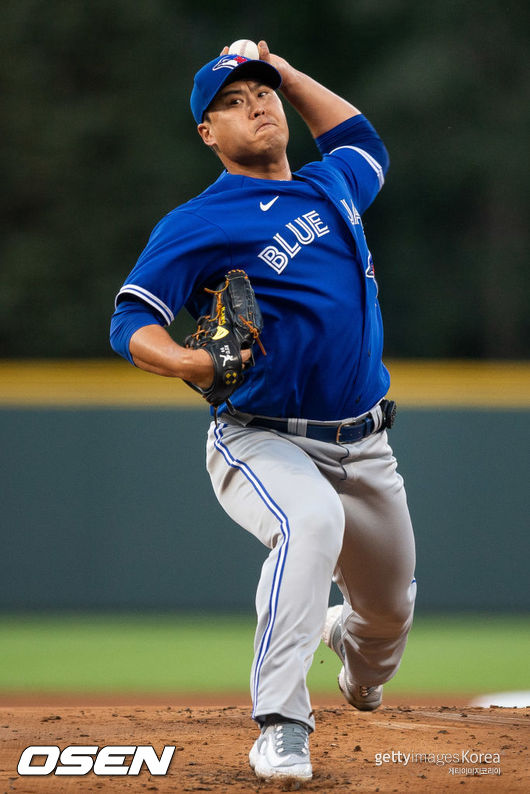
[113, 509]
[97, 143]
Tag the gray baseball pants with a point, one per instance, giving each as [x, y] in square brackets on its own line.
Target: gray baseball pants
[326, 511]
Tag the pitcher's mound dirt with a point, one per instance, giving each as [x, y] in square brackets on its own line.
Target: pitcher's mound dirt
[454, 748]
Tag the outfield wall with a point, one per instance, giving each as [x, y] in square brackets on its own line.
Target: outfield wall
[106, 503]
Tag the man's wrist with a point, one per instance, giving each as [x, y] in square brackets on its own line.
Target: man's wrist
[292, 81]
[197, 366]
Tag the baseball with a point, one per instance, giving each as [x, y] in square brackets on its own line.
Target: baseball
[245, 47]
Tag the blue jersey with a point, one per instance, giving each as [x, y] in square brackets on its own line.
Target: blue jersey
[303, 247]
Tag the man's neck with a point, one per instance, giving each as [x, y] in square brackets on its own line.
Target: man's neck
[261, 170]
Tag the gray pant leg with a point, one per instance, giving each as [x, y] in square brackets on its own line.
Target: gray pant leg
[376, 565]
[273, 489]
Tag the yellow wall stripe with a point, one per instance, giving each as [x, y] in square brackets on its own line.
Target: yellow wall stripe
[99, 383]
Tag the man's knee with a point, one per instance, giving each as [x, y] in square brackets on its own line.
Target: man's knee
[319, 526]
[390, 617]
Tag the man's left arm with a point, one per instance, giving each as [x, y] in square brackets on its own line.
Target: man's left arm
[319, 107]
[339, 128]
[335, 124]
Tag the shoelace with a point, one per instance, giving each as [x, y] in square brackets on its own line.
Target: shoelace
[289, 737]
[367, 690]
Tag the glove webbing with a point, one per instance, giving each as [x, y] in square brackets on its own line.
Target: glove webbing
[220, 312]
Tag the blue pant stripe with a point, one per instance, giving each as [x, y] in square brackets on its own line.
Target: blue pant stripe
[282, 547]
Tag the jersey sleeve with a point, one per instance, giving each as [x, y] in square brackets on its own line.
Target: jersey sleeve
[183, 252]
[355, 150]
[129, 316]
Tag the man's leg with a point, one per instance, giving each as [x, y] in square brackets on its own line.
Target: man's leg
[376, 566]
[273, 489]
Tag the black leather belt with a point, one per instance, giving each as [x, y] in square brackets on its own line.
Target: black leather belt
[341, 433]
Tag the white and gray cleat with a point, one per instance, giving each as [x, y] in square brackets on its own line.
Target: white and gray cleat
[332, 632]
[282, 751]
[363, 698]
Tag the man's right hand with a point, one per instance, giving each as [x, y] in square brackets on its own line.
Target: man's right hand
[154, 350]
[205, 368]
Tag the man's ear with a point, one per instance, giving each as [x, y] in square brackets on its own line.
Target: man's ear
[206, 133]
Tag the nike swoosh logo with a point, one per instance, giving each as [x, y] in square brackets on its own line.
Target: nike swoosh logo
[266, 207]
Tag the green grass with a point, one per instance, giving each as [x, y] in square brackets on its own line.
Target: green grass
[172, 653]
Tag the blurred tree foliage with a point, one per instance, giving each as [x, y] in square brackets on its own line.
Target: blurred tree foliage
[98, 143]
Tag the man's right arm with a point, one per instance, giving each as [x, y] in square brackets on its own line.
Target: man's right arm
[183, 252]
[154, 350]
[138, 336]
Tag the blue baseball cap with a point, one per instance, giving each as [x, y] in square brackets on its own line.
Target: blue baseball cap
[225, 69]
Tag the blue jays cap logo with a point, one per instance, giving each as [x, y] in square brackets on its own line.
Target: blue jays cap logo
[230, 62]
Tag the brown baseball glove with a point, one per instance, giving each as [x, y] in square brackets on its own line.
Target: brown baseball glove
[234, 324]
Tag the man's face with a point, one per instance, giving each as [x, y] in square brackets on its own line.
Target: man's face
[246, 124]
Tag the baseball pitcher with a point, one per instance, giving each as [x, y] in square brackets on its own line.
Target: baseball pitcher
[275, 267]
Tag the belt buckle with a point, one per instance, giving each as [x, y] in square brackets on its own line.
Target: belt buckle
[339, 429]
